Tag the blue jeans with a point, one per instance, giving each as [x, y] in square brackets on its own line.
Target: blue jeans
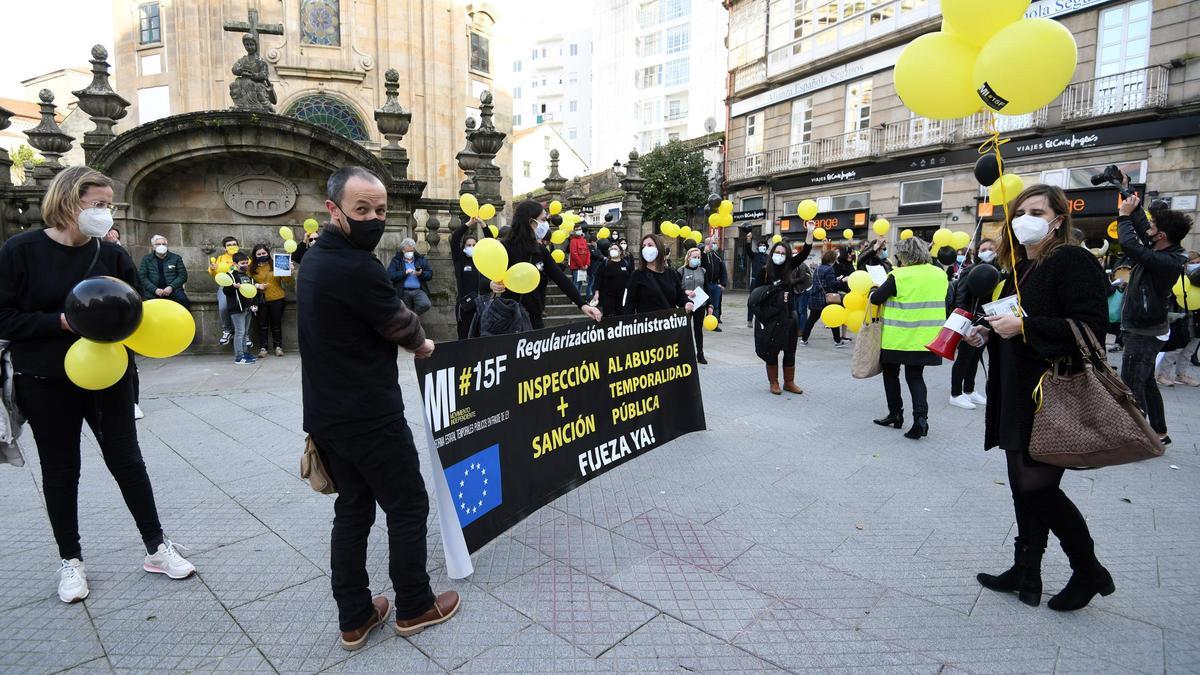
[801, 311]
[241, 320]
[714, 293]
[223, 311]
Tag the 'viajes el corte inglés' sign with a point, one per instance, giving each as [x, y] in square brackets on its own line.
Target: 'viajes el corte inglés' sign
[514, 421]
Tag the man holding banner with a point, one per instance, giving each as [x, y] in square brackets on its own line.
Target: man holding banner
[350, 323]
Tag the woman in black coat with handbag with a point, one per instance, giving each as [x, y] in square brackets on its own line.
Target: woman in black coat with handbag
[1057, 281]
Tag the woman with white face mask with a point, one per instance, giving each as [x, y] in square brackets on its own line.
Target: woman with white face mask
[653, 286]
[966, 362]
[612, 278]
[38, 268]
[1058, 281]
[691, 277]
[466, 276]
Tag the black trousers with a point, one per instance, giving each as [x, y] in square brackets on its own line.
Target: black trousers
[814, 313]
[698, 330]
[915, 377]
[1042, 507]
[966, 365]
[56, 410]
[270, 315]
[1137, 370]
[377, 468]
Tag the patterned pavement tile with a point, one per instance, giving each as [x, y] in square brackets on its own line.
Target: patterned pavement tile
[814, 541]
[602, 506]
[28, 576]
[176, 632]
[705, 547]
[246, 661]
[576, 607]
[503, 560]
[387, 653]
[116, 581]
[668, 645]
[481, 622]
[46, 636]
[99, 665]
[584, 546]
[1182, 652]
[296, 629]
[712, 603]
[817, 588]
[533, 650]
[253, 568]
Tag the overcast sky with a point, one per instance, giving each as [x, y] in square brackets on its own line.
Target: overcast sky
[44, 35]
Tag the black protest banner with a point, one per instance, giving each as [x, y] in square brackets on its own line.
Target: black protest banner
[517, 420]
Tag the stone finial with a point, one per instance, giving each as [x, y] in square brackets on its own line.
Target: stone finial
[631, 204]
[99, 53]
[575, 197]
[468, 160]
[487, 141]
[103, 105]
[48, 138]
[391, 118]
[554, 181]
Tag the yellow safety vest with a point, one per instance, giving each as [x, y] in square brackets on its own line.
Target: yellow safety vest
[914, 316]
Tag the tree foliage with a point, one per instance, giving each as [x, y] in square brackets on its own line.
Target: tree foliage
[676, 178]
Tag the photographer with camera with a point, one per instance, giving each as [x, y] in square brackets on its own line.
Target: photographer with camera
[1152, 246]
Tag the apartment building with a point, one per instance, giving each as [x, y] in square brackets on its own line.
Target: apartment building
[551, 82]
[813, 113]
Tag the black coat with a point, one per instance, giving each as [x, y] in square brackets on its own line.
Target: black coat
[612, 278]
[1067, 285]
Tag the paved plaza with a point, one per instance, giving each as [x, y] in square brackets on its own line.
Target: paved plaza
[793, 535]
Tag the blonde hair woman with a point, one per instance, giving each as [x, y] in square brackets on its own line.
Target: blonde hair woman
[38, 268]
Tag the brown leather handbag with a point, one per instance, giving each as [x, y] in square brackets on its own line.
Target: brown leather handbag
[1088, 419]
[312, 469]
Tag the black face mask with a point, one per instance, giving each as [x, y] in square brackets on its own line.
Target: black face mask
[364, 234]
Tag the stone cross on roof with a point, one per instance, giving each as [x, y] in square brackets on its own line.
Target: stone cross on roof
[253, 27]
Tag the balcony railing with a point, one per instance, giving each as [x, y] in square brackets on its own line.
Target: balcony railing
[918, 132]
[859, 144]
[1141, 89]
[677, 115]
[976, 126]
[793, 158]
[745, 167]
[749, 75]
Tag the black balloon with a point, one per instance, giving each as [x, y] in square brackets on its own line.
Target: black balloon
[1194, 277]
[555, 220]
[608, 217]
[987, 169]
[714, 200]
[947, 255]
[104, 309]
[982, 280]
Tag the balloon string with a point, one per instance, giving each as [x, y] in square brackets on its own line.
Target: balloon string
[992, 144]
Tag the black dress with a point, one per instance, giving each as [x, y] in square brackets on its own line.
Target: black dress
[651, 291]
[1069, 284]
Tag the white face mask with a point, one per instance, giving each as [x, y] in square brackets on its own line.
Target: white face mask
[470, 251]
[762, 249]
[95, 222]
[540, 230]
[1030, 229]
[161, 249]
[778, 258]
[614, 253]
[408, 255]
[987, 256]
[650, 253]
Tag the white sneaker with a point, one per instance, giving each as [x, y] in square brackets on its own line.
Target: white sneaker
[962, 401]
[977, 398]
[137, 412]
[72, 581]
[166, 560]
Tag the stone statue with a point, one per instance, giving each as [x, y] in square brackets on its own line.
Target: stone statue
[252, 89]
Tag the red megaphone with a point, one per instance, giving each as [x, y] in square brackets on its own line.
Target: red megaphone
[956, 326]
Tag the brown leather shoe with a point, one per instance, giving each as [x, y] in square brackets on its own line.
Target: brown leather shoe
[443, 608]
[355, 639]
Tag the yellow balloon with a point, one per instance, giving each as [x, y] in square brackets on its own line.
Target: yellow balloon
[96, 365]
[487, 212]
[558, 256]
[714, 220]
[819, 234]
[710, 322]
[167, 328]
[859, 281]
[223, 279]
[776, 239]
[1025, 66]
[960, 240]
[935, 76]
[494, 230]
[1005, 189]
[224, 267]
[906, 234]
[311, 225]
[668, 228]
[491, 259]
[833, 316]
[248, 290]
[469, 205]
[522, 278]
[976, 22]
[1186, 291]
[725, 207]
[855, 301]
[555, 207]
[854, 320]
[726, 219]
[697, 237]
[685, 232]
[566, 227]
[604, 233]
[807, 209]
[881, 226]
[290, 245]
[286, 233]
[848, 233]
[1112, 230]
[558, 237]
[942, 237]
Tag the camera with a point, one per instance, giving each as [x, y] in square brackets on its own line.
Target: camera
[1112, 176]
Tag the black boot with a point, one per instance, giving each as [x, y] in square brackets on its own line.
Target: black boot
[1024, 578]
[920, 428]
[894, 419]
[1088, 577]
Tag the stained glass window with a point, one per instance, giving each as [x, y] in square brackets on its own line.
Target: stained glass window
[326, 111]
[320, 23]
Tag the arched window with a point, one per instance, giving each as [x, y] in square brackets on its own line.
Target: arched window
[326, 111]
[320, 23]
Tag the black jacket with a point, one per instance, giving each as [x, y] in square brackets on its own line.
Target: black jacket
[714, 267]
[466, 276]
[654, 291]
[1160, 268]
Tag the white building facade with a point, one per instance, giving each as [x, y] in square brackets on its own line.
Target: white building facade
[551, 81]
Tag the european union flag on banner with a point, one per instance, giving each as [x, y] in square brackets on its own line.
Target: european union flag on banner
[475, 484]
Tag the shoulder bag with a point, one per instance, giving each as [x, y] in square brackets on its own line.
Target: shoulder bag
[865, 361]
[312, 469]
[1088, 419]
